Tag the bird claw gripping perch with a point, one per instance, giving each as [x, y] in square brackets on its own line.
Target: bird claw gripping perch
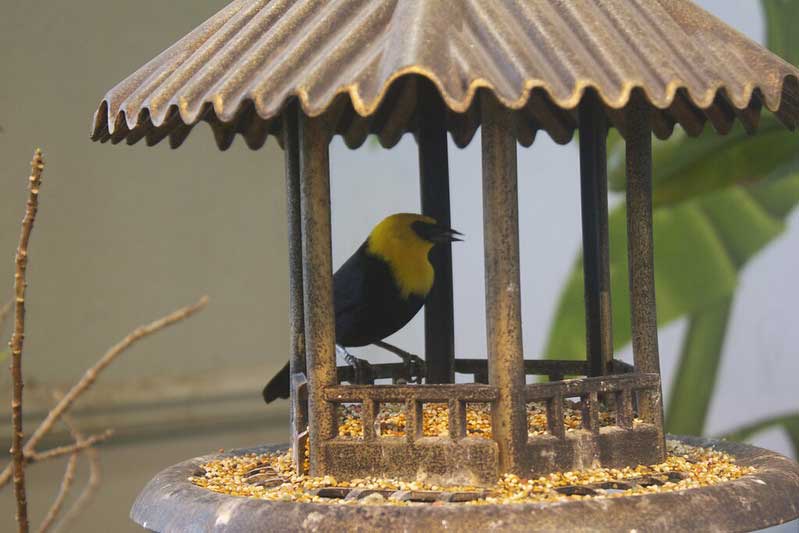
[415, 367]
[361, 369]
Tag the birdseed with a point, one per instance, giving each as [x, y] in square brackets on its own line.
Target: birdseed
[698, 467]
[390, 421]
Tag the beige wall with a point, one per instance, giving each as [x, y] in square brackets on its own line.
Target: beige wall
[126, 234]
[129, 233]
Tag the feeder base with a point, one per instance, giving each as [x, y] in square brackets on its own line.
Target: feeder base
[170, 502]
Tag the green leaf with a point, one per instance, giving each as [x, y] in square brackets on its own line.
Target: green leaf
[614, 141]
[792, 428]
[699, 248]
[700, 359]
[778, 197]
[687, 167]
[781, 35]
[789, 422]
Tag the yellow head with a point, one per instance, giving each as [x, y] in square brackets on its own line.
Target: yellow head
[404, 241]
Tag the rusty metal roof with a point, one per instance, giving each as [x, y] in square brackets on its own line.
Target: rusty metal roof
[362, 62]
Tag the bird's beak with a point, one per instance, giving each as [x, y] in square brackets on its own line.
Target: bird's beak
[443, 234]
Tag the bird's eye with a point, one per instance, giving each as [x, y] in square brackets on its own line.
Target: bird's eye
[423, 230]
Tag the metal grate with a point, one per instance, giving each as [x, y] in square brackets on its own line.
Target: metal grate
[609, 487]
[417, 496]
[265, 476]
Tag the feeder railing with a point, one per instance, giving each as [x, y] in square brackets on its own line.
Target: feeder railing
[414, 397]
[622, 387]
[554, 369]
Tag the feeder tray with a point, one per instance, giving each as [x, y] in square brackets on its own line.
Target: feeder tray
[171, 502]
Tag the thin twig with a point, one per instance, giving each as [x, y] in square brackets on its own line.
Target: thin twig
[18, 337]
[66, 484]
[58, 451]
[95, 475]
[4, 311]
[91, 374]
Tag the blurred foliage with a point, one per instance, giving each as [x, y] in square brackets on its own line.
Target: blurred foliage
[718, 201]
[788, 422]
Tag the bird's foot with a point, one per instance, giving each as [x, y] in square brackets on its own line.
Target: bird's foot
[361, 369]
[415, 367]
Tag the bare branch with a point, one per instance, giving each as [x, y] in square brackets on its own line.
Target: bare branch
[4, 311]
[95, 474]
[59, 451]
[66, 483]
[18, 337]
[91, 374]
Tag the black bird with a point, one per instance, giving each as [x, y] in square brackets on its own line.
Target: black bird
[381, 287]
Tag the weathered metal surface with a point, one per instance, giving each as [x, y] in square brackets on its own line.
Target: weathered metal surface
[579, 387]
[418, 496]
[640, 252]
[400, 393]
[610, 447]
[540, 367]
[439, 315]
[291, 154]
[503, 283]
[769, 497]
[553, 368]
[298, 415]
[393, 371]
[456, 418]
[620, 444]
[298, 419]
[439, 460]
[414, 420]
[317, 276]
[237, 70]
[640, 240]
[596, 254]
[532, 367]
[555, 425]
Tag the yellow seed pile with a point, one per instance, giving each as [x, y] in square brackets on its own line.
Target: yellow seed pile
[390, 421]
[700, 466]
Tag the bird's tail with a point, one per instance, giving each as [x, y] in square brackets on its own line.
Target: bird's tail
[278, 386]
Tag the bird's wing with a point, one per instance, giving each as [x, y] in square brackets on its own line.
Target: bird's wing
[349, 286]
[351, 298]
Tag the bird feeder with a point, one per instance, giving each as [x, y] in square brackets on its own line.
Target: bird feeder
[305, 71]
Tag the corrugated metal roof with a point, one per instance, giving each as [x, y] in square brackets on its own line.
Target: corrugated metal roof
[361, 61]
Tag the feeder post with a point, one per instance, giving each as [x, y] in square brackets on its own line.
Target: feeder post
[298, 413]
[502, 284]
[439, 321]
[640, 252]
[291, 154]
[317, 276]
[596, 255]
